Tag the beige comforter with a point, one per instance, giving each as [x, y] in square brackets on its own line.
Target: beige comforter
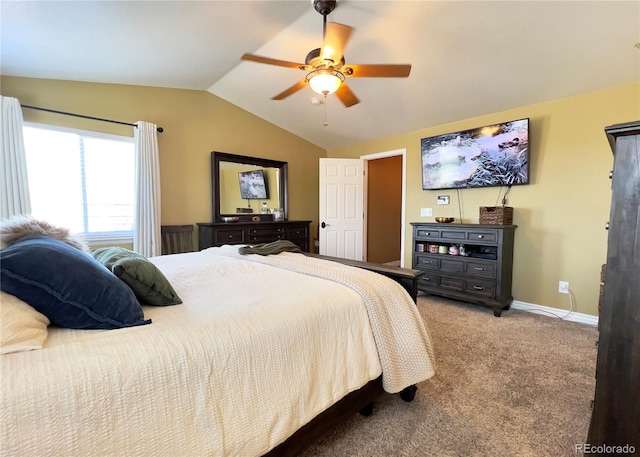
[252, 354]
[404, 346]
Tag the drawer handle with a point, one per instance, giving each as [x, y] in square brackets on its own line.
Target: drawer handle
[478, 288]
[426, 278]
[230, 236]
[427, 233]
[611, 174]
[480, 236]
[606, 226]
[479, 268]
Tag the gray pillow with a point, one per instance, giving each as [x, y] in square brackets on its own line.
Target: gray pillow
[148, 283]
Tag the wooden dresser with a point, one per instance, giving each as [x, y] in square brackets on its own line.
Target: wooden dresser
[615, 420]
[219, 233]
[483, 276]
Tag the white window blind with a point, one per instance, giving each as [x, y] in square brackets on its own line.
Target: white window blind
[81, 180]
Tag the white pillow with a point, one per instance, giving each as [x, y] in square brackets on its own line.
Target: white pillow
[23, 328]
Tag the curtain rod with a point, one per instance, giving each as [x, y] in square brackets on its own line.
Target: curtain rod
[160, 129]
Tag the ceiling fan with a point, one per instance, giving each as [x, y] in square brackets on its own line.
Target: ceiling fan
[326, 66]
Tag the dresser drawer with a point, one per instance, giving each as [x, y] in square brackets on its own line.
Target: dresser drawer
[297, 232]
[485, 236]
[478, 288]
[428, 280]
[426, 261]
[422, 233]
[450, 283]
[452, 264]
[266, 232]
[229, 236]
[264, 238]
[453, 235]
[484, 269]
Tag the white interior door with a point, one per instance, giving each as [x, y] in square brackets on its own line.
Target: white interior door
[341, 219]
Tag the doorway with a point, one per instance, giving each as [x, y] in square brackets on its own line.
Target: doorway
[384, 207]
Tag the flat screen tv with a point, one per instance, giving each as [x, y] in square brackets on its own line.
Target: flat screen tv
[253, 185]
[493, 155]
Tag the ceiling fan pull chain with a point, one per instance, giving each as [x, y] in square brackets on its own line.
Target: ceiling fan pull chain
[326, 124]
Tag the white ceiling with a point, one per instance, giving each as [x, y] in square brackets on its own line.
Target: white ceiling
[470, 58]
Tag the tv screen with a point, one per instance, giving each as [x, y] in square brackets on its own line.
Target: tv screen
[253, 185]
[493, 155]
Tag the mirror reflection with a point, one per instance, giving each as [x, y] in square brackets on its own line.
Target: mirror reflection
[250, 188]
[246, 188]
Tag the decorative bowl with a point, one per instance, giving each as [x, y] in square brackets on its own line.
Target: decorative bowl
[230, 219]
[445, 220]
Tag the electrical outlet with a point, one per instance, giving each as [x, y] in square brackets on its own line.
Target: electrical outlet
[563, 287]
[426, 212]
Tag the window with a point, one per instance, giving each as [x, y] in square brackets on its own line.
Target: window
[82, 180]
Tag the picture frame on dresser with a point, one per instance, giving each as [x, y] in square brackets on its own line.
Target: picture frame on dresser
[483, 275]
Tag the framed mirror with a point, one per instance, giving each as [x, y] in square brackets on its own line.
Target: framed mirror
[244, 187]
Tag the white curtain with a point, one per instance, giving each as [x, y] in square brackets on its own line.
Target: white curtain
[146, 232]
[14, 189]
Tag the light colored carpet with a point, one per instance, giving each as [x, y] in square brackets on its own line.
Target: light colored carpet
[518, 385]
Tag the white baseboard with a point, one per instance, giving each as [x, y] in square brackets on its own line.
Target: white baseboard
[555, 312]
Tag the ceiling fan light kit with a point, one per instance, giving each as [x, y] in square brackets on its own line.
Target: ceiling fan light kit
[325, 82]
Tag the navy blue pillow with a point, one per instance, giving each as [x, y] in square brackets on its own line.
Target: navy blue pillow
[67, 285]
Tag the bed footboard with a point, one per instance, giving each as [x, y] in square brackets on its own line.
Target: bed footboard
[406, 277]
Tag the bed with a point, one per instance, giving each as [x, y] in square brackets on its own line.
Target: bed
[261, 350]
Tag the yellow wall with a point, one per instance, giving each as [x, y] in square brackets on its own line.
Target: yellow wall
[561, 215]
[195, 123]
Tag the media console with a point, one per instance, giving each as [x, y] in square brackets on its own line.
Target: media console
[483, 275]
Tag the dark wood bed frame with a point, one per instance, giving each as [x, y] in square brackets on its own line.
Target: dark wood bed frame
[362, 399]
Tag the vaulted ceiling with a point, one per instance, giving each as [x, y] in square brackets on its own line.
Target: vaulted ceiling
[469, 58]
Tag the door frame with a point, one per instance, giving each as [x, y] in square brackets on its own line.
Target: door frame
[382, 155]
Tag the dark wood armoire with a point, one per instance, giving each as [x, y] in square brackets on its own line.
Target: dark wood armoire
[615, 419]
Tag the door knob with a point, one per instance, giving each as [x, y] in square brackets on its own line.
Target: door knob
[323, 225]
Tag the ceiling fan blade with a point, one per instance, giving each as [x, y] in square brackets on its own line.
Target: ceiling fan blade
[376, 71]
[347, 97]
[292, 90]
[335, 40]
[269, 61]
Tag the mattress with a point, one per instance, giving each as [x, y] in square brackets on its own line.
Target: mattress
[252, 354]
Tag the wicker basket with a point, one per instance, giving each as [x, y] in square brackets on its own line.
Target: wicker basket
[500, 215]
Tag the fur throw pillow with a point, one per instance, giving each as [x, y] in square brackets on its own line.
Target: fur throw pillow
[18, 226]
